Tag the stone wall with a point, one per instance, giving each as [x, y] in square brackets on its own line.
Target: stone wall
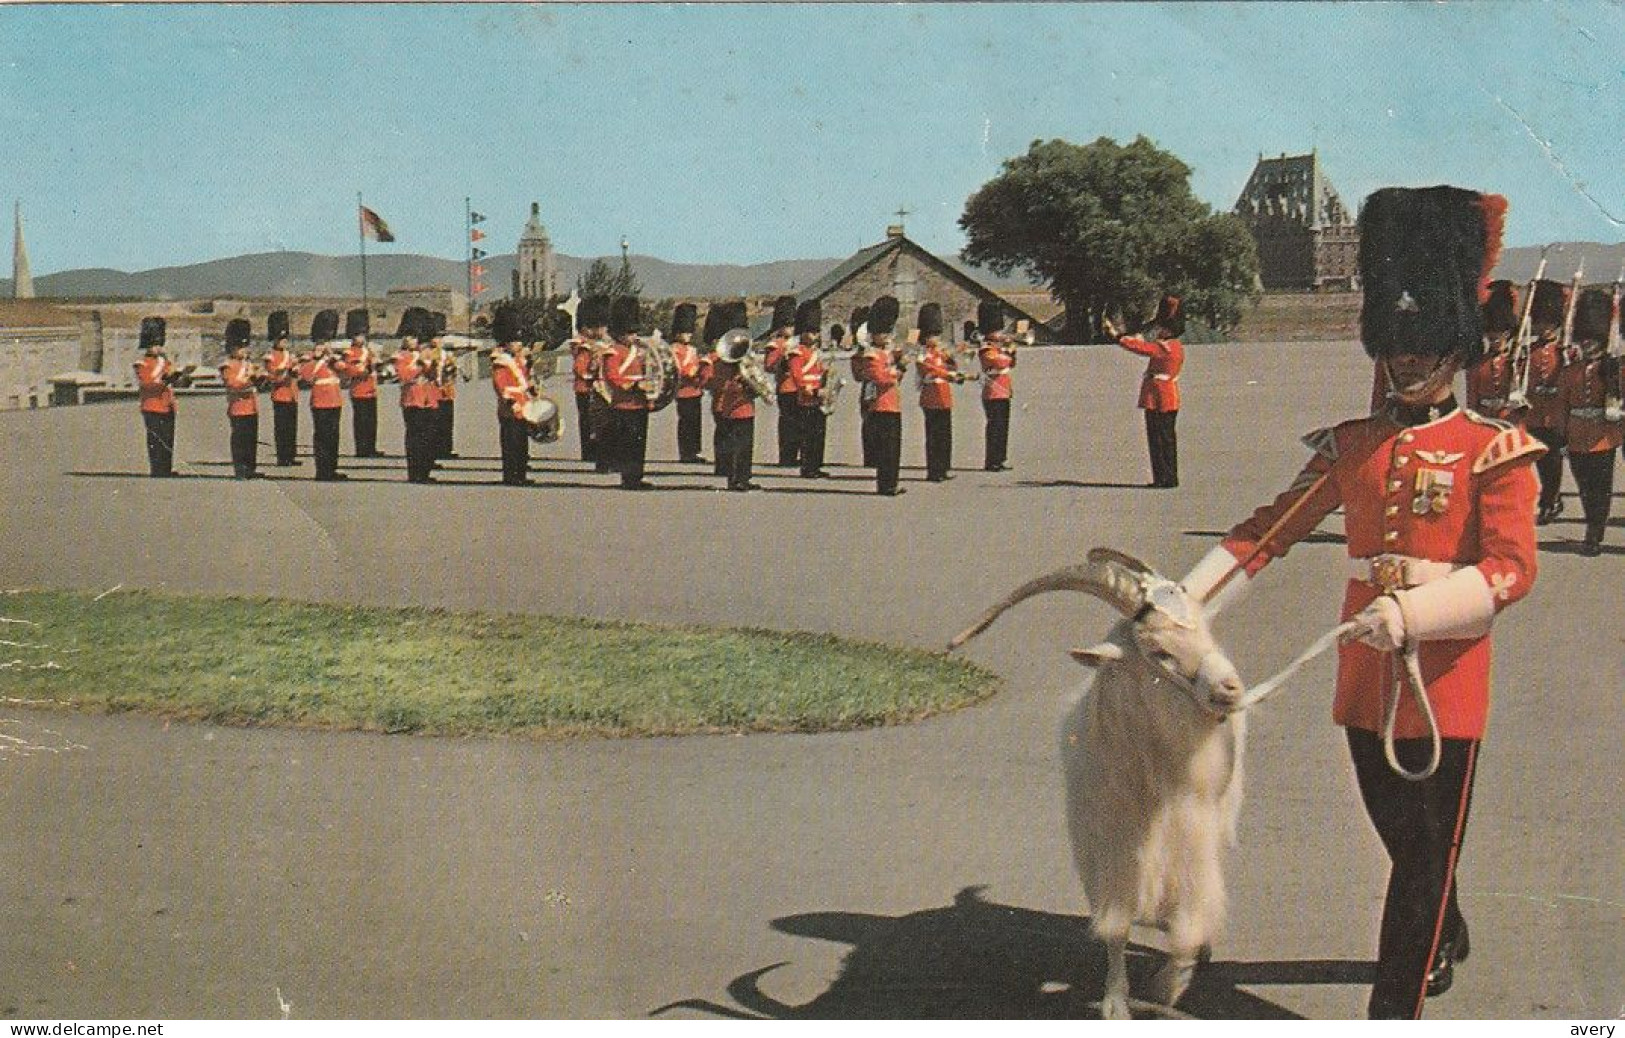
[914, 283]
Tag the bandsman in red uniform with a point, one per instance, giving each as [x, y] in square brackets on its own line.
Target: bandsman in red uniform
[1590, 391]
[880, 375]
[242, 379]
[357, 366]
[1489, 382]
[419, 394]
[511, 380]
[997, 355]
[621, 368]
[156, 378]
[281, 367]
[1438, 505]
[860, 335]
[777, 363]
[693, 372]
[1546, 418]
[937, 374]
[592, 409]
[804, 364]
[444, 362]
[733, 402]
[320, 375]
[1159, 389]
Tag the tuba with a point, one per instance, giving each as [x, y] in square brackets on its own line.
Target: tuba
[735, 348]
[659, 372]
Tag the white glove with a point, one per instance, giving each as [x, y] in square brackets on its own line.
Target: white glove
[1380, 625]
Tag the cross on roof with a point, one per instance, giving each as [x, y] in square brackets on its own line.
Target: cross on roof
[902, 211]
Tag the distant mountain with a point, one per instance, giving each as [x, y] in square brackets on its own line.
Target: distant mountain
[1602, 262]
[309, 274]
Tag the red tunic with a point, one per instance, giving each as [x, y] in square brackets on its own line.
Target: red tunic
[777, 363]
[1159, 389]
[416, 389]
[996, 364]
[730, 396]
[581, 363]
[356, 365]
[323, 380]
[936, 380]
[1545, 407]
[1489, 382]
[280, 365]
[511, 382]
[157, 395]
[622, 367]
[878, 366]
[806, 368]
[693, 371]
[1460, 489]
[241, 389]
[1585, 391]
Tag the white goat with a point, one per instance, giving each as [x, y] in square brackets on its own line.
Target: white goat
[1152, 756]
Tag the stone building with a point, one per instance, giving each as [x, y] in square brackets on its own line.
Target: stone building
[1307, 238]
[899, 267]
[536, 273]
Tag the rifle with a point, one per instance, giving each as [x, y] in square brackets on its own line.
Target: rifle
[1519, 394]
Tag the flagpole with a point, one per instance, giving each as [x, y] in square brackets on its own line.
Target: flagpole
[361, 233]
[468, 262]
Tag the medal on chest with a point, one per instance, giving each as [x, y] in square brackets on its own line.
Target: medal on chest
[1433, 489]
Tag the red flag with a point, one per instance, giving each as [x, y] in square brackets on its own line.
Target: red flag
[479, 271]
[476, 235]
[373, 226]
[478, 288]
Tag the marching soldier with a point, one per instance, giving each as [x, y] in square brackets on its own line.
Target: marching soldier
[938, 375]
[777, 363]
[1590, 395]
[804, 363]
[281, 367]
[321, 377]
[733, 403]
[881, 375]
[860, 333]
[444, 363]
[356, 366]
[419, 394]
[1438, 503]
[998, 356]
[716, 323]
[1489, 382]
[1546, 418]
[511, 380]
[693, 372]
[621, 367]
[242, 379]
[592, 322]
[157, 377]
[1159, 389]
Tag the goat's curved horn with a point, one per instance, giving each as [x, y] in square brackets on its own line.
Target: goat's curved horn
[1113, 555]
[1104, 576]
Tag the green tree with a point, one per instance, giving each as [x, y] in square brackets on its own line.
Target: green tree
[1107, 227]
[541, 320]
[601, 279]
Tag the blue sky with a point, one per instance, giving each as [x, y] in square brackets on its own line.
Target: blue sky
[156, 135]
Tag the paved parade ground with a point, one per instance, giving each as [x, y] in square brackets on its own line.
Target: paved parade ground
[173, 870]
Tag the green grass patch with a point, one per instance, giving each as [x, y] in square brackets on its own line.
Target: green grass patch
[297, 664]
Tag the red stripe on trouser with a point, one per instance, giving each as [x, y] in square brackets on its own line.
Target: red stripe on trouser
[1449, 875]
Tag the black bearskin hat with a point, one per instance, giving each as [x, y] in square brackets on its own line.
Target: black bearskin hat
[1425, 258]
[1592, 314]
[860, 317]
[505, 327]
[883, 316]
[784, 313]
[593, 313]
[238, 332]
[414, 323]
[357, 322]
[276, 325]
[1501, 308]
[716, 322]
[969, 331]
[1170, 316]
[837, 335]
[152, 332]
[324, 327]
[930, 320]
[438, 324]
[683, 319]
[1546, 309]
[623, 316]
[990, 317]
[809, 316]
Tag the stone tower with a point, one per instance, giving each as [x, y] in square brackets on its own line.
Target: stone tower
[535, 274]
[22, 284]
[1307, 238]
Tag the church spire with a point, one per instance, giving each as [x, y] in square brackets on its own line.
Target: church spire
[22, 285]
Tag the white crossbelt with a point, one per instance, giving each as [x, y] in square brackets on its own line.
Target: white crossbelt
[1392, 572]
[1166, 378]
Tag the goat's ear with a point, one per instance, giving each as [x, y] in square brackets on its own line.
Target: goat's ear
[1097, 655]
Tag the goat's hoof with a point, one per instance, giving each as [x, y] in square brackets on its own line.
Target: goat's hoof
[1115, 1007]
[1172, 980]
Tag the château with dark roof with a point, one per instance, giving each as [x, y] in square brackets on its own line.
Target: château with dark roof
[1307, 238]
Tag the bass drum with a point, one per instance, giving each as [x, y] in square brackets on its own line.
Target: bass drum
[541, 416]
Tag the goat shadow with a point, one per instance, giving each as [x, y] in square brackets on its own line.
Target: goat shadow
[978, 959]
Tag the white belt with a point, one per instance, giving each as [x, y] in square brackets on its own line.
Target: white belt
[1166, 378]
[1590, 414]
[1393, 572]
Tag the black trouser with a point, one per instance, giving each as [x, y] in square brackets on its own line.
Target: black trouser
[736, 447]
[939, 442]
[631, 439]
[888, 433]
[584, 426]
[1594, 475]
[420, 432]
[688, 427]
[160, 442]
[324, 440]
[445, 425]
[998, 432]
[285, 422]
[601, 431]
[789, 430]
[1550, 467]
[812, 430]
[869, 440]
[514, 435]
[364, 422]
[245, 445]
[1421, 824]
[719, 440]
[1163, 443]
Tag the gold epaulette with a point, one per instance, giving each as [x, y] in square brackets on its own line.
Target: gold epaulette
[1323, 442]
[1509, 444]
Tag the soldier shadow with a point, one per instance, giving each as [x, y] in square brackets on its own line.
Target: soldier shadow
[1083, 484]
[1318, 537]
[978, 959]
[1575, 548]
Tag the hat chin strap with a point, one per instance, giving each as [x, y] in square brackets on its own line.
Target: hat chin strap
[1423, 392]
